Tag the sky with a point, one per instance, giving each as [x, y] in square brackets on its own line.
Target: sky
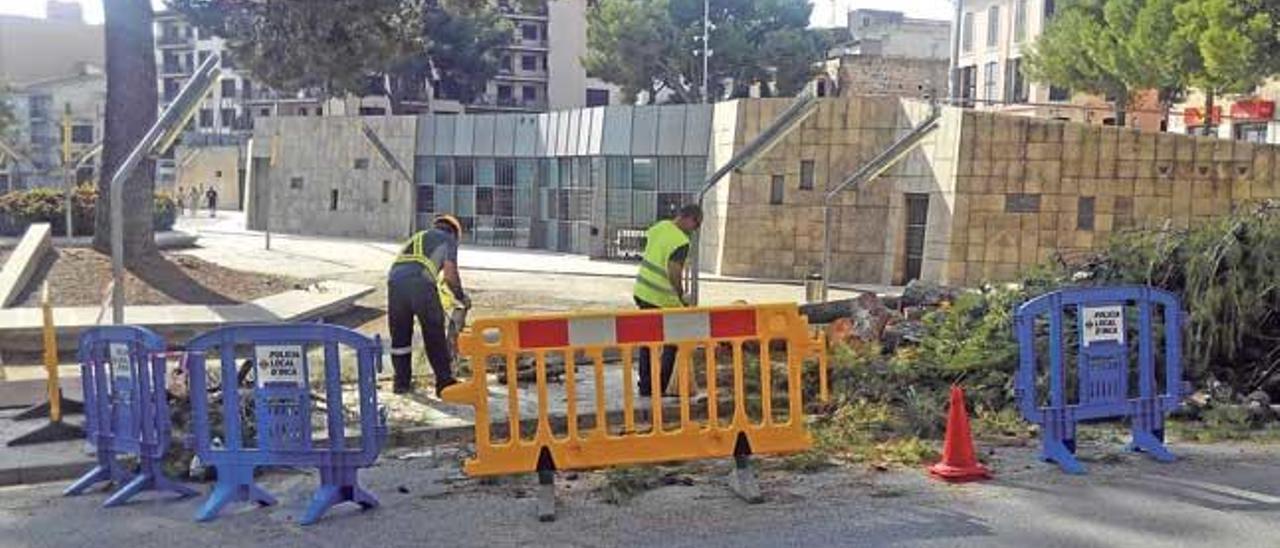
[826, 13]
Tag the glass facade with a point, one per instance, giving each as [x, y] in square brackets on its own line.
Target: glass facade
[558, 204]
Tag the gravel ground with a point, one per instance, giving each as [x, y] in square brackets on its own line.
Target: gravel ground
[79, 277]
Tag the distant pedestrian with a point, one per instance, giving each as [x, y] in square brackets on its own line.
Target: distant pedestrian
[211, 197]
[195, 201]
[182, 199]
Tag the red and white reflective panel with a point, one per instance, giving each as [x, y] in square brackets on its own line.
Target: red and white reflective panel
[636, 328]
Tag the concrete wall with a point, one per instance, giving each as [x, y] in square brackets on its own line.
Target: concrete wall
[209, 166]
[785, 240]
[320, 155]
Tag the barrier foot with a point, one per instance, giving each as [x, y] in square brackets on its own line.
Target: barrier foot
[41, 410]
[329, 496]
[226, 493]
[98, 474]
[743, 480]
[1057, 452]
[147, 481]
[546, 495]
[1146, 442]
[49, 433]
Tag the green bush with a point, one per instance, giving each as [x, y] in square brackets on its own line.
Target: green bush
[19, 209]
[1226, 272]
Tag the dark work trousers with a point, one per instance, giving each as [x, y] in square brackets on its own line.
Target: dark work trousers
[409, 298]
[668, 361]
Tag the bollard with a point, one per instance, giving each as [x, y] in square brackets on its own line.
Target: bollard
[55, 405]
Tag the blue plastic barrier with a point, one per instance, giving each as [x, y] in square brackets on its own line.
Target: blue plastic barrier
[1102, 366]
[126, 410]
[282, 410]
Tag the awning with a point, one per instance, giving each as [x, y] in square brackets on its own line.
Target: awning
[1253, 109]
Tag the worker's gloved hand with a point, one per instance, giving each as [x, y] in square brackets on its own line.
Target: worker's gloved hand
[466, 301]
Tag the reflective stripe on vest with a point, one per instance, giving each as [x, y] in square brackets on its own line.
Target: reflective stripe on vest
[412, 253]
[652, 284]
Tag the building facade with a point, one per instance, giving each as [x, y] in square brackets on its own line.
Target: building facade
[1251, 117]
[982, 197]
[64, 46]
[991, 72]
[892, 34]
[887, 53]
[44, 112]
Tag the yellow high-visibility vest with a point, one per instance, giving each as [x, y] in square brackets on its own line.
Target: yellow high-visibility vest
[652, 285]
[412, 252]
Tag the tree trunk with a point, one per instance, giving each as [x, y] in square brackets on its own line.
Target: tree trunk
[130, 112]
[1122, 107]
[1208, 128]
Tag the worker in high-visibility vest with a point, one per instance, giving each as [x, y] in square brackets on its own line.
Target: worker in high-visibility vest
[660, 282]
[421, 279]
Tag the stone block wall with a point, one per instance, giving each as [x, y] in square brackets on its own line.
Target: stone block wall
[316, 157]
[895, 76]
[1029, 189]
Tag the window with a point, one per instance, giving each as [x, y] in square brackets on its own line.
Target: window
[264, 112]
[775, 189]
[529, 94]
[1084, 213]
[302, 111]
[597, 97]
[361, 163]
[506, 171]
[367, 111]
[295, 183]
[1057, 93]
[1021, 203]
[1049, 9]
[528, 63]
[966, 32]
[989, 82]
[993, 26]
[83, 134]
[464, 172]
[206, 117]
[229, 88]
[1251, 133]
[386, 191]
[333, 200]
[247, 86]
[506, 64]
[319, 111]
[228, 116]
[806, 174]
[1019, 21]
[968, 86]
[642, 174]
[504, 93]
[217, 174]
[529, 32]
[914, 237]
[1015, 84]
[84, 174]
[203, 56]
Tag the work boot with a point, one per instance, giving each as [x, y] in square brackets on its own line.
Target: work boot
[397, 388]
[443, 384]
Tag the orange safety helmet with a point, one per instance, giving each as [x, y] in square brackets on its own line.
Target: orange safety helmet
[449, 220]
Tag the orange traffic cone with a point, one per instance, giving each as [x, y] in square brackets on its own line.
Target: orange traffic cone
[959, 460]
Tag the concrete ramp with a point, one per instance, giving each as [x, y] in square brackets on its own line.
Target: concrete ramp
[20, 327]
[24, 261]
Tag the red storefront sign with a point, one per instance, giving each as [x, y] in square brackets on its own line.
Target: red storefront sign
[1193, 116]
[1253, 109]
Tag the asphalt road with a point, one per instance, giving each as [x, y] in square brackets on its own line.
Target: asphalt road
[1217, 495]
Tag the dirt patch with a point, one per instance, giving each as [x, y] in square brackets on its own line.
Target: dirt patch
[80, 277]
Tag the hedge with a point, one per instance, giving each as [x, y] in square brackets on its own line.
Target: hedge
[21, 208]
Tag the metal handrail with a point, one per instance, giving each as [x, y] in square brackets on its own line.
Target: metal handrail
[882, 162]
